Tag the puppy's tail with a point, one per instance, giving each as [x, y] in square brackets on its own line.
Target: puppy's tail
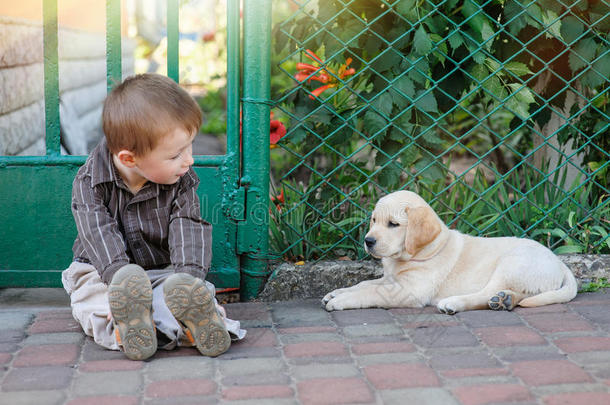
[568, 290]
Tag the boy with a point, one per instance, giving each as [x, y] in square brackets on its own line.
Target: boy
[143, 251]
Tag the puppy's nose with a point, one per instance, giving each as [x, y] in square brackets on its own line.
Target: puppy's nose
[370, 241]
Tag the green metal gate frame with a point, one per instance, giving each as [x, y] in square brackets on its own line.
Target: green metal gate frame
[36, 224]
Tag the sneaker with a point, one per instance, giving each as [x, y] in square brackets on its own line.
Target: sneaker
[130, 298]
[191, 303]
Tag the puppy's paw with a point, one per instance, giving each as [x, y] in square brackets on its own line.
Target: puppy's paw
[449, 306]
[341, 302]
[503, 300]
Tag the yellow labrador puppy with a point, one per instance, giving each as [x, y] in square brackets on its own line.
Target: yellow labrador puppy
[426, 263]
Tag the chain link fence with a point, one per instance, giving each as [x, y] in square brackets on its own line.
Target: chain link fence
[496, 112]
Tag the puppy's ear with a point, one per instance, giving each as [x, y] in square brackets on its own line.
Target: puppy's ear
[422, 228]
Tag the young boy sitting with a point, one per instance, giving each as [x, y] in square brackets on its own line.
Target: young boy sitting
[143, 250]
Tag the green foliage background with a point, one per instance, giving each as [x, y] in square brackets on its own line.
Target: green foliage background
[438, 82]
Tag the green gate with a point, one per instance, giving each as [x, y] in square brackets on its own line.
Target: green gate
[36, 225]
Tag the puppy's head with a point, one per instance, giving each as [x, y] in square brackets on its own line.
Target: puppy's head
[402, 224]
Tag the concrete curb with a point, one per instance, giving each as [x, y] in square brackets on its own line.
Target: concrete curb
[314, 280]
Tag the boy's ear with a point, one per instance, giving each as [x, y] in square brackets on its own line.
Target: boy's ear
[126, 158]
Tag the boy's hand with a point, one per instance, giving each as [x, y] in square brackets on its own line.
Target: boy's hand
[109, 317]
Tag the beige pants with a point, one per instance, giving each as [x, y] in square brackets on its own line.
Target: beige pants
[89, 301]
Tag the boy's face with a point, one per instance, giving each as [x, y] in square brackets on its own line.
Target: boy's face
[169, 160]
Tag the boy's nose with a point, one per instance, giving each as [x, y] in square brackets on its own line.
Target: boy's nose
[189, 159]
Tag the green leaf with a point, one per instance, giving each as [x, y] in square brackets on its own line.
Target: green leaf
[581, 54]
[571, 29]
[383, 103]
[422, 42]
[401, 88]
[350, 30]
[455, 40]
[409, 156]
[407, 9]
[518, 68]
[568, 249]
[524, 95]
[374, 123]
[426, 102]
[494, 87]
[552, 23]
[479, 72]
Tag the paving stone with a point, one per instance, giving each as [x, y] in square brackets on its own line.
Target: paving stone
[594, 313]
[427, 321]
[256, 337]
[54, 338]
[399, 312]
[384, 347]
[250, 314]
[309, 371]
[558, 322]
[32, 398]
[578, 398]
[263, 401]
[491, 394]
[583, 344]
[372, 330]
[451, 336]
[299, 313]
[545, 372]
[483, 319]
[517, 353]
[310, 337]
[362, 316]
[111, 365]
[107, 383]
[92, 351]
[314, 349]
[298, 361]
[178, 368]
[553, 308]
[257, 391]
[192, 400]
[267, 378]
[106, 399]
[5, 358]
[171, 388]
[588, 358]
[393, 376]
[383, 358]
[47, 355]
[8, 347]
[501, 336]
[15, 320]
[242, 352]
[474, 372]
[447, 361]
[307, 330]
[8, 336]
[55, 325]
[251, 366]
[37, 378]
[419, 396]
[334, 391]
[60, 313]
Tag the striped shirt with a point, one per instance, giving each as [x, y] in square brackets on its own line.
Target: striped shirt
[160, 225]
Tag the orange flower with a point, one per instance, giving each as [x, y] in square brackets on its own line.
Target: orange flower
[326, 75]
[278, 200]
[277, 132]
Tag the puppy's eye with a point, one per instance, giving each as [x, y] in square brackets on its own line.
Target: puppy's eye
[392, 224]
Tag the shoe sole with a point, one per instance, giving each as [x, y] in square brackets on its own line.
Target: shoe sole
[192, 303]
[130, 298]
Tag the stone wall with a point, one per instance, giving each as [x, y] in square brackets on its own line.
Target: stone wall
[82, 85]
[314, 280]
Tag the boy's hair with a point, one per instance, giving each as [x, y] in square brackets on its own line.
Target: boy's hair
[144, 108]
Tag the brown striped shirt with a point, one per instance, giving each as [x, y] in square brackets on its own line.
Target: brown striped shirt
[158, 226]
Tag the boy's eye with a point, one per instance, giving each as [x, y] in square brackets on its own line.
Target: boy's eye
[177, 156]
[392, 224]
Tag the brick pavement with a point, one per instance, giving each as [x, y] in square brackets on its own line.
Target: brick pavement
[298, 353]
